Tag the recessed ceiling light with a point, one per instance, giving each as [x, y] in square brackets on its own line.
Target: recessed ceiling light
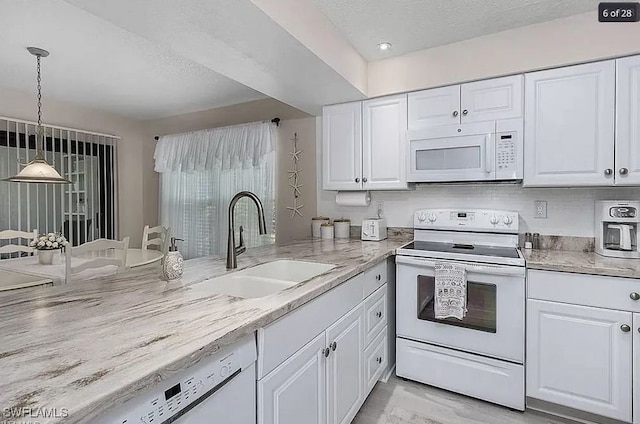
[384, 46]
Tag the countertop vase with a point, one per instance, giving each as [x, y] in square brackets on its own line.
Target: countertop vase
[45, 257]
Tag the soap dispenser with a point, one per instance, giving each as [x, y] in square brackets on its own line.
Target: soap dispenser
[173, 262]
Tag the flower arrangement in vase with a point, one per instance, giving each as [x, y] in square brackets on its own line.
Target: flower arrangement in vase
[47, 245]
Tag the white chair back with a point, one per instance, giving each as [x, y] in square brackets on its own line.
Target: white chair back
[159, 238]
[97, 254]
[17, 235]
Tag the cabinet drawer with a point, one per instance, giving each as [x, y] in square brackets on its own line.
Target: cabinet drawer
[581, 289]
[375, 307]
[374, 278]
[282, 338]
[376, 359]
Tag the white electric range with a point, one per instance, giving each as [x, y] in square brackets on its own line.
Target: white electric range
[481, 355]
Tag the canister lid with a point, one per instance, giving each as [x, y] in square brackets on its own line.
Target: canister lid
[342, 220]
[326, 224]
[319, 218]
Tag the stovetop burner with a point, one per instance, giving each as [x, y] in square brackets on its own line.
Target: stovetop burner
[465, 249]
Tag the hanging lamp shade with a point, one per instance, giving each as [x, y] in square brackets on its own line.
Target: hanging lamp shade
[38, 170]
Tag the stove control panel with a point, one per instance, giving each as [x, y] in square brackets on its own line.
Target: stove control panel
[483, 220]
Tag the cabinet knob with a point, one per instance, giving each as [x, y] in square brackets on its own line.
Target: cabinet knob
[607, 171]
[624, 171]
[455, 113]
[364, 179]
[465, 112]
[334, 346]
[379, 314]
[379, 360]
[634, 296]
[357, 180]
[379, 277]
[326, 352]
[625, 328]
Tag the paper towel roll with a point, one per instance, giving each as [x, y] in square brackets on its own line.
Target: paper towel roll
[353, 198]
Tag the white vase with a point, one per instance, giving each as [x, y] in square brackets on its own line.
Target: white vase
[45, 257]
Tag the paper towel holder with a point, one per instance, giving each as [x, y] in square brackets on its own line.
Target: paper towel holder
[353, 198]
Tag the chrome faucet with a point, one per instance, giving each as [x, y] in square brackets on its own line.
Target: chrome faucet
[232, 250]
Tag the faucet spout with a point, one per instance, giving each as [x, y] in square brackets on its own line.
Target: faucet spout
[232, 250]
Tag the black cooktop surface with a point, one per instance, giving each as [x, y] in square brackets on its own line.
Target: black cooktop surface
[466, 249]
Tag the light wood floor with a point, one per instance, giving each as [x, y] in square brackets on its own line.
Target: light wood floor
[406, 402]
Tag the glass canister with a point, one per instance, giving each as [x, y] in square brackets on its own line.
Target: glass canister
[316, 222]
[342, 227]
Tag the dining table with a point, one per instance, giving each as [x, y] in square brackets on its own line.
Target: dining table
[26, 271]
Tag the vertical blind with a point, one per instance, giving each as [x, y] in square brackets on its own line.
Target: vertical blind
[84, 210]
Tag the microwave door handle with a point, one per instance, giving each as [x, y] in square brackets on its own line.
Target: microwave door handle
[489, 153]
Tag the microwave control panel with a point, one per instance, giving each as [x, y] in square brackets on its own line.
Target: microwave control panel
[506, 152]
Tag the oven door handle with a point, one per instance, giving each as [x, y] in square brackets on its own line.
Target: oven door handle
[470, 267]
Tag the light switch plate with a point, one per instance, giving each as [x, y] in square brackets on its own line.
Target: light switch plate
[540, 209]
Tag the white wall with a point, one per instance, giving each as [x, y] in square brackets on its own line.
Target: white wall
[570, 211]
[575, 39]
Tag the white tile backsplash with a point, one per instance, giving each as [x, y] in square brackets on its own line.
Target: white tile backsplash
[570, 211]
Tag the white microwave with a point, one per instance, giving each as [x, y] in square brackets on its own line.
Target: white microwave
[481, 151]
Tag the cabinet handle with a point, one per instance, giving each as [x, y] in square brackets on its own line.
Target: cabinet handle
[379, 360]
[364, 179]
[624, 171]
[379, 314]
[357, 180]
[607, 171]
[326, 351]
[625, 328]
[634, 296]
[455, 113]
[334, 346]
[379, 277]
[465, 112]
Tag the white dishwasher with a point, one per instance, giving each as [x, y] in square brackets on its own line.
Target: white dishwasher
[219, 389]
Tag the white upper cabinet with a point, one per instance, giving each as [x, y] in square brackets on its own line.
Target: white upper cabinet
[430, 108]
[487, 100]
[569, 126]
[627, 164]
[636, 368]
[580, 357]
[384, 140]
[342, 146]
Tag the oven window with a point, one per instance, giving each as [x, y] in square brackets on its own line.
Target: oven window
[481, 305]
[449, 158]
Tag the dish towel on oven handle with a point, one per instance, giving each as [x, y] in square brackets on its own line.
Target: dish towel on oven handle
[450, 298]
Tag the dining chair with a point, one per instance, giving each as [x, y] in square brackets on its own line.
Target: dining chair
[11, 235]
[159, 238]
[99, 253]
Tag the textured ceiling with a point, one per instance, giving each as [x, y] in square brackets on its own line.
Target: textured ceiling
[412, 25]
[96, 64]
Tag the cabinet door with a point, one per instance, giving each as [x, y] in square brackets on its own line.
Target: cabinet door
[488, 100]
[295, 392]
[627, 168]
[636, 368]
[569, 126]
[430, 108]
[342, 147]
[384, 160]
[580, 357]
[345, 391]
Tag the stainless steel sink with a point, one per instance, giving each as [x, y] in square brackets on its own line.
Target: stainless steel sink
[264, 279]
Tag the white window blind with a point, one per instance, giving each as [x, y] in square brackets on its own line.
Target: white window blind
[84, 210]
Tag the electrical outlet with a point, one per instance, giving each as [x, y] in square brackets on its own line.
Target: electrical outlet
[380, 208]
[541, 209]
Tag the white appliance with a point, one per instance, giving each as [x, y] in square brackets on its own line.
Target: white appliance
[221, 388]
[617, 229]
[481, 355]
[374, 229]
[482, 151]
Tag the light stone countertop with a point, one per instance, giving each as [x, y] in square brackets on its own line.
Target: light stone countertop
[90, 346]
[581, 263]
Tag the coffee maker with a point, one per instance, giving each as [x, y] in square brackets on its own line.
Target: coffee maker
[617, 225]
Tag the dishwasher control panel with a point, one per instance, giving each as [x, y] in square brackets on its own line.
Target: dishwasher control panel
[173, 396]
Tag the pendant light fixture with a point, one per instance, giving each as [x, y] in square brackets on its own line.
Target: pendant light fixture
[38, 170]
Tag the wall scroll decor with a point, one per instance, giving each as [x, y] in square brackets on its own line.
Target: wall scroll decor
[294, 176]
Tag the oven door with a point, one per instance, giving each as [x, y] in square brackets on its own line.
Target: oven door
[444, 154]
[494, 323]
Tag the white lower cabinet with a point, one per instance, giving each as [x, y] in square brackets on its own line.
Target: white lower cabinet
[326, 380]
[345, 339]
[583, 357]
